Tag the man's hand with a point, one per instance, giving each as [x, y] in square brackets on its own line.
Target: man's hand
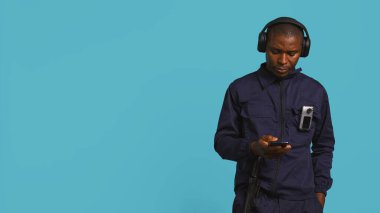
[262, 148]
[321, 198]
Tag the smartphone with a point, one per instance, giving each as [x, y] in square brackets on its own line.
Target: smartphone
[278, 143]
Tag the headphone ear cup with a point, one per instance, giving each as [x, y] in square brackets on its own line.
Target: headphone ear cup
[262, 42]
[305, 47]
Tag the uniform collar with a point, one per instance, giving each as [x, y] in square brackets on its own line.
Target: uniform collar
[266, 77]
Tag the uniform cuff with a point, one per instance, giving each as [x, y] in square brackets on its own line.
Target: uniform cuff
[246, 149]
[323, 186]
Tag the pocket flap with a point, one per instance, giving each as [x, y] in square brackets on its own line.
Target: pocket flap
[257, 111]
[297, 110]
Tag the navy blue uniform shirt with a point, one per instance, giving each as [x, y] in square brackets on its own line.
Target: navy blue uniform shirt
[261, 103]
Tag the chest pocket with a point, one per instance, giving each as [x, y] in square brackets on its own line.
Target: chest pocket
[258, 118]
[302, 138]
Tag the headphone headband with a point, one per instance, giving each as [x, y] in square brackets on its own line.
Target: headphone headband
[261, 47]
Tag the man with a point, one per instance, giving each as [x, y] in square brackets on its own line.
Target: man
[271, 118]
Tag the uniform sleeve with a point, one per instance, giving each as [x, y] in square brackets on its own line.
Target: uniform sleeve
[322, 149]
[228, 141]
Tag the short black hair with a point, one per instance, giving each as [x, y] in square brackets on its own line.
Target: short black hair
[285, 29]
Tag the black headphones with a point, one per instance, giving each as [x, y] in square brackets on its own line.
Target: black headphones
[261, 46]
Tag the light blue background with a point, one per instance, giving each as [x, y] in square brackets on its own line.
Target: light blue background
[111, 106]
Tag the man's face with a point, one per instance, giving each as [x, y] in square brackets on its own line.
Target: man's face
[282, 53]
